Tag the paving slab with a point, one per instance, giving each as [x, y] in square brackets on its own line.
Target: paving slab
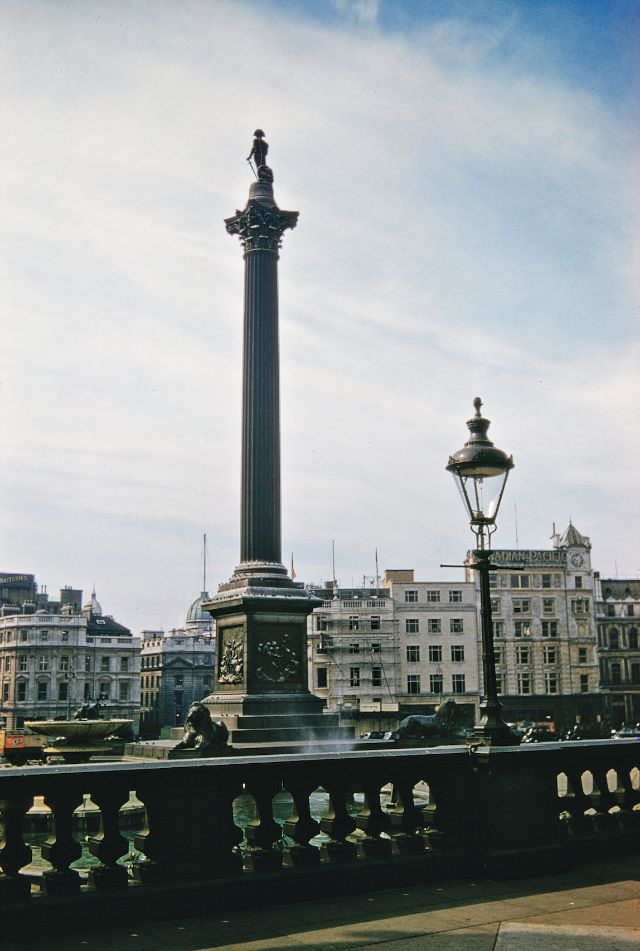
[538, 937]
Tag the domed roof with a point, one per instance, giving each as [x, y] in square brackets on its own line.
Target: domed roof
[195, 612]
[94, 605]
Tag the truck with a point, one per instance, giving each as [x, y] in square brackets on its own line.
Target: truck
[19, 746]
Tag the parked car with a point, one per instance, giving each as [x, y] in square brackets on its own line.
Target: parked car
[627, 733]
[539, 734]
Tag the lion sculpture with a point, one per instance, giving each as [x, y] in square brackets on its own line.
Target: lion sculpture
[443, 725]
[201, 734]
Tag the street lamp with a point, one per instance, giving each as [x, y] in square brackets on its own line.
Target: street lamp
[481, 472]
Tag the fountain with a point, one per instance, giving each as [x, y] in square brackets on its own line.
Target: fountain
[77, 740]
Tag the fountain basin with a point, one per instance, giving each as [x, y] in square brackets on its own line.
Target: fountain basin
[76, 741]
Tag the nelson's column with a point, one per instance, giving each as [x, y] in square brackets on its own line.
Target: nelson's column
[261, 614]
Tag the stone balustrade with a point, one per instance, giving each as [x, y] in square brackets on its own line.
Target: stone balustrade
[314, 824]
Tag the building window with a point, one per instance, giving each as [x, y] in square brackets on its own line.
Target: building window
[5, 691]
[412, 625]
[550, 682]
[179, 680]
[546, 581]
[635, 673]
[520, 581]
[630, 610]
[578, 581]
[493, 580]
[435, 654]
[376, 676]
[354, 676]
[23, 636]
[105, 664]
[580, 606]
[413, 683]
[87, 691]
[321, 622]
[44, 635]
[65, 635]
[434, 625]
[522, 628]
[63, 690]
[616, 677]
[549, 628]
[584, 683]
[582, 655]
[521, 606]
[43, 663]
[7, 664]
[498, 628]
[548, 606]
[124, 664]
[524, 683]
[632, 638]
[354, 622]
[455, 625]
[611, 610]
[376, 647]
[354, 647]
[457, 653]
[23, 663]
[123, 690]
[495, 605]
[497, 655]
[411, 596]
[614, 639]
[64, 662]
[523, 655]
[458, 683]
[498, 683]
[105, 690]
[43, 688]
[549, 654]
[433, 597]
[21, 687]
[435, 683]
[375, 623]
[455, 596]
[413, 654]
[87, 664]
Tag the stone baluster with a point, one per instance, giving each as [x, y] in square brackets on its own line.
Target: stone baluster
[301, 827]
[373, 821]
[187, 837]
[109, 845]
[577, 802]
[61, 849]
[405, 819]
[13, 851]
[263, 831]
[337, 824]
[630, 816]
[604, 800]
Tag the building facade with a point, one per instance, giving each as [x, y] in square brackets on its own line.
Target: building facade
[176, 668]
[544, 631]
[402, 648]
[353, 656]
[618, 621]
[54, 657]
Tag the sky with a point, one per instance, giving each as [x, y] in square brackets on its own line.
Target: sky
[466, 176]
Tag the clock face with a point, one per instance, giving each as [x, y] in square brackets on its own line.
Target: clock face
[577, 560]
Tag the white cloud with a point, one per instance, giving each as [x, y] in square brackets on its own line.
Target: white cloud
[463, 231]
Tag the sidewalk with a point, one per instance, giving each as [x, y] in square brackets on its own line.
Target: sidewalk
[594, 909]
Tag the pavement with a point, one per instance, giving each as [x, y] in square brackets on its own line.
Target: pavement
[596, 908]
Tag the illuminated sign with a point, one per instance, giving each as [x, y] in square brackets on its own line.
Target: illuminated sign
[16, 579]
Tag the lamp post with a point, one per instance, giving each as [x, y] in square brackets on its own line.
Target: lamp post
[481, 472]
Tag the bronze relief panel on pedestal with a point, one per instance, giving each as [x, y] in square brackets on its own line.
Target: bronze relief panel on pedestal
[231, 656]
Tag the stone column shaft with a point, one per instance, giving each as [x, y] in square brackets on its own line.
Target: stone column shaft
[260, 531]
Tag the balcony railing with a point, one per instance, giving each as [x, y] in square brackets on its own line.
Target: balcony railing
[315, 824]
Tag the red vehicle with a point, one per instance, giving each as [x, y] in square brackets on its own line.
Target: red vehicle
[18, 746]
